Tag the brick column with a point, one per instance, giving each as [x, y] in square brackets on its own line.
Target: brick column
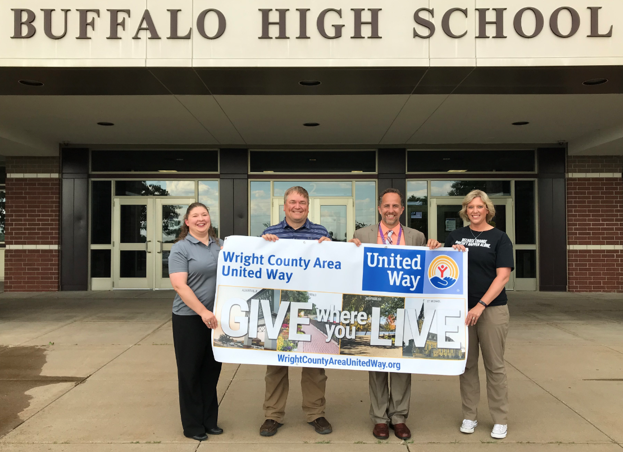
[595, 223]
[32, 224]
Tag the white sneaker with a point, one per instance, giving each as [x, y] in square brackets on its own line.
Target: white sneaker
[499, 431]
[468, 426]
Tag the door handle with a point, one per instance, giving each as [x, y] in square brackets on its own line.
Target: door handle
[160, 246]
[147, 246]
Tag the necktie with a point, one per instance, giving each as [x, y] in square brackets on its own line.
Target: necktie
[389, 237]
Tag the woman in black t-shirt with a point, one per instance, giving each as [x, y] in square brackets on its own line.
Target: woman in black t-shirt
[490, 262]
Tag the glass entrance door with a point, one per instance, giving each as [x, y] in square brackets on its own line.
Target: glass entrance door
[444, 218]
[145, 230]
[133, 243]
[335, 214]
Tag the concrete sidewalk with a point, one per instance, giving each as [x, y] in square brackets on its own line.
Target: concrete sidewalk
[96, 372]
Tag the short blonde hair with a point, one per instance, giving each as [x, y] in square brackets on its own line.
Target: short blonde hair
[473, 195]
[296, 189]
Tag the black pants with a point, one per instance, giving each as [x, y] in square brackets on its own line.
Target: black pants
[197, 374]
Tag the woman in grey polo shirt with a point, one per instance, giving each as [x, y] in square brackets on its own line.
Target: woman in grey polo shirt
[192, 270]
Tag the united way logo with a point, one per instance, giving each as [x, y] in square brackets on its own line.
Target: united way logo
[443, 272]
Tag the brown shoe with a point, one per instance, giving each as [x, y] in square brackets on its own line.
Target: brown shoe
[380, 431]
[401, 431]
[322, 426]
[269, 427]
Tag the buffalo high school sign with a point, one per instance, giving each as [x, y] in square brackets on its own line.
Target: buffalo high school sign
[327, 28]
[319, 33]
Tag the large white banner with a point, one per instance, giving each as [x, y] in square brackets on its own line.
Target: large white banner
[339, 306]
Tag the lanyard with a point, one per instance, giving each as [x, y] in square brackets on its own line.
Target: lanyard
[383, 235]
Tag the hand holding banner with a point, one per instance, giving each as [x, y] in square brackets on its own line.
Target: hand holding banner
[336, 305]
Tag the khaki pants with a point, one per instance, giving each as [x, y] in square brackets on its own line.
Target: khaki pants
[389, 402]
[489, 334]
[313, 384]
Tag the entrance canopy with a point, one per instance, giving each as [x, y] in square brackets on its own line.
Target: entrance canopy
[257, 107]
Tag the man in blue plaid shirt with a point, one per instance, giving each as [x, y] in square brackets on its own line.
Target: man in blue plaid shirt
[295, 226]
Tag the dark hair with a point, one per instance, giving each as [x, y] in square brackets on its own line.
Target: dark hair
[392, 190]
[184, 228]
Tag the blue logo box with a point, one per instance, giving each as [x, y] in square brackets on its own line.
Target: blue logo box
[392, 269]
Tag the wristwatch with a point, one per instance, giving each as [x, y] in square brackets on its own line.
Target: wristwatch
[483, 303]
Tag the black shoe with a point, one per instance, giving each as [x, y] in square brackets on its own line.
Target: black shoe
[214, 430]
[203, 437]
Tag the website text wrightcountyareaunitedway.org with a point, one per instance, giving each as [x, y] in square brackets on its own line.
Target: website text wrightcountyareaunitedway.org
[350, 362]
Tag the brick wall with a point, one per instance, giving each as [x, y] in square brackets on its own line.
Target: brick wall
[595, 271]
[595, 224]
[32, 224]
[595, 164]
[31, 271]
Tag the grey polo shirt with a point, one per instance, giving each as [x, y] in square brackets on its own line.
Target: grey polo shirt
[200, 262]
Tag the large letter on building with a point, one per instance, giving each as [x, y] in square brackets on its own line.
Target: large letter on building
[19, 22]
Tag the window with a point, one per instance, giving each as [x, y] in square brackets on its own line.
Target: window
[417, 206]
[446, 161]
[209, 195]
[154, 188]
[463, 187]
[263, 193]
[525, 218]
[155, 161]
[366, 212]
[325, 161]
[101, 215]
[259, 201]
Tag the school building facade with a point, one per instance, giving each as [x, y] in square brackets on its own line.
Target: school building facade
[115, 117]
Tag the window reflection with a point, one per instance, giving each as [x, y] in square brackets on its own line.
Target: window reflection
[365, 204]
[417, 206]
[155, 188]
[463, 187]
[316, 189]
[334, 219]
[172, 220]
[260, 207]
[133, 224]
[209, 195]
[261, 200]
[448, 220]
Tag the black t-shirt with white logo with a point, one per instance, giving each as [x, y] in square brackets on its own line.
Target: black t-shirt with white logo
[488, 251]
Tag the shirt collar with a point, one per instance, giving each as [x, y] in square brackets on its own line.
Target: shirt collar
[192, 239]
[385, 229]
[285, 225]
